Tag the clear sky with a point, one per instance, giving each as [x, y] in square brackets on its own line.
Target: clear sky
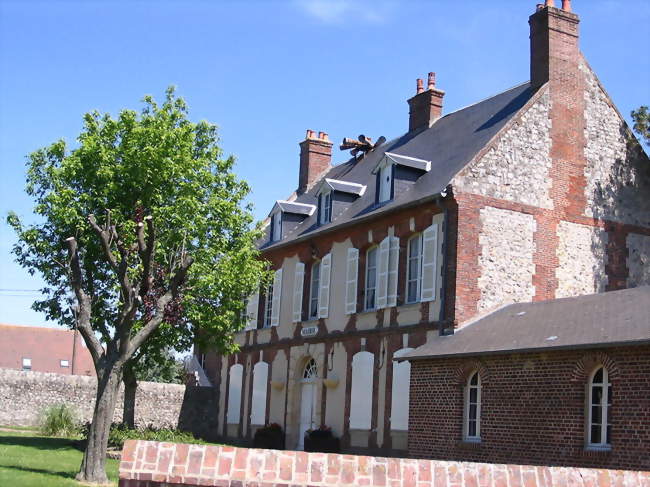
[265, 71]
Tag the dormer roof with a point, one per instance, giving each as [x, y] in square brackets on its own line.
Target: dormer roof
[293, 207]
[342, 186]
[407, 161]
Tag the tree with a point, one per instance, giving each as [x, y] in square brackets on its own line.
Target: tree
[641, 118]
[144, 221]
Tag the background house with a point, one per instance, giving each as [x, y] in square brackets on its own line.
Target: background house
[536, 193]
[41, 349]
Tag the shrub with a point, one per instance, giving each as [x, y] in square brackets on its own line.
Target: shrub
[59, 420]
[120, 432]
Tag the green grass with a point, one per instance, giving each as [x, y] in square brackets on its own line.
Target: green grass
[27, 460]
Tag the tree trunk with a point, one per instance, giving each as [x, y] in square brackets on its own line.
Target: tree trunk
[130, 389]
[94, 461]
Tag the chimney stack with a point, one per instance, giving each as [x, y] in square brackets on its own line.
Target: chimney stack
[315, 159]
[426, 106]
[554, 51]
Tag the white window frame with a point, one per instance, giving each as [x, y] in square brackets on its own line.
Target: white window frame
[605, 407]
[325, 207]
[466, 409]
[409, 277]
[268, 306]
[314, 291]
[64, 363]
[276, 226]
[368, 288]
[385, 188]
[27, 363]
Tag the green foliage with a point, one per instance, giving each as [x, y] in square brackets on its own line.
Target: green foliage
[160, 367]
[641, 118]
[59, 420]
[120, 432]
[154, 163]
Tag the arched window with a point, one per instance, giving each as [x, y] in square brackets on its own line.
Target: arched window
[234, 394]
[600, 401]
[311, 370]
[472, 420]
[399, 410]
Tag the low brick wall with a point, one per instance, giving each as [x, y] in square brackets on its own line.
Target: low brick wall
[24, 395]
[152, 464]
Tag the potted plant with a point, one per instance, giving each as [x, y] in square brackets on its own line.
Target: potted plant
[322, 440]
[269, 436]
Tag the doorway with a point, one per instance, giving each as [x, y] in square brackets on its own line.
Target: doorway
[307, 401]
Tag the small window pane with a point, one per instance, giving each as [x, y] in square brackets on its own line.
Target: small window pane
[474, 380]
[609, 434]
[595, 433]
[472, 412]
[472, 428]
[596, 416]
[598, 377]
[609, 395]
[473, 394]
[64, 363]
[596, 395]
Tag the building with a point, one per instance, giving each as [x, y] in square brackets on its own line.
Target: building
[536, 193]
[41, 349]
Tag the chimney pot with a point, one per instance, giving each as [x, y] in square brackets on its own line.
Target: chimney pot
[315, 159]
[566, 5]
[419, 86]
[323, 136]
[549, 3]
[431, 81]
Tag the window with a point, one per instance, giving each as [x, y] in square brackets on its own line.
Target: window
[472, 423]
[268, 306]
[64, 363]
[314, 290]
[258, 403]
[385, 183]
[600, 401]
[363, 372]
[414, 277]
[276, 227]
[234, 394]
[27, 364]
[371, 278]
[325, 207]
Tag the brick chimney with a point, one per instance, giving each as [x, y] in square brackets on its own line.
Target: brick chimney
[554, 52]
[426, 106]
[315, 159]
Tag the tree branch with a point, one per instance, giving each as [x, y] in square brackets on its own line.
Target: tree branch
[83, 301]
[146, 253]
[105, 239]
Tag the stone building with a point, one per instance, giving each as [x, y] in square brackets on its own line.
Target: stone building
[539, 192]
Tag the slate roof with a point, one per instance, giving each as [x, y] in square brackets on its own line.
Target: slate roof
[296, 207]
[596, 320]
[450, 144]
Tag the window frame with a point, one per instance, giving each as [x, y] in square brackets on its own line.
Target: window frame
[409, 279]
[374, 249]
[26, 363]
[64, 363]
[314, 294]
[605, 410]
[325, 207]
[389, 167]
[268, 306]
[476, 438]
[275, 234]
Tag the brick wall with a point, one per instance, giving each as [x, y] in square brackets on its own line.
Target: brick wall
[149, 464]
[532, 408]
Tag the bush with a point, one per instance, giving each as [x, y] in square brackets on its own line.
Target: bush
[59, 420]
[120, 432]
[269, 436]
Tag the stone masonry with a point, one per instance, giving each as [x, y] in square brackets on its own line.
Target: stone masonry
[151, 464]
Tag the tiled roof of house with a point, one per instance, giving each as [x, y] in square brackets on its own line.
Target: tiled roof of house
[596, 320]
[449, 144]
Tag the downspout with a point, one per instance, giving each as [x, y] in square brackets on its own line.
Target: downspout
[445, 259]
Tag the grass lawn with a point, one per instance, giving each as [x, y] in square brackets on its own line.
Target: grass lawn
[28, 460]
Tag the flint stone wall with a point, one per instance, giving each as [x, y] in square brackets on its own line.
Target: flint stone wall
[582, 257]
[638, 260]
[506, 259]
[518, 167]
[24, 395]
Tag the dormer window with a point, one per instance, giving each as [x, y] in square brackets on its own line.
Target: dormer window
[276, 227]
[395, 172]
[325, 207]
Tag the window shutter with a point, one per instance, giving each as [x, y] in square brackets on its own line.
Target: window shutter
[324, 291]
[277, 294]
[351, 281]
[319, 212]
[272, 230]
[382, 273]
[298, 283]
[429, 261]
[251, 311]
[393, 264]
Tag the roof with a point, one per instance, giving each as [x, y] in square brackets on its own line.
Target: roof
[597, 320]
[449, 144]
[294, 207]
[344, 186]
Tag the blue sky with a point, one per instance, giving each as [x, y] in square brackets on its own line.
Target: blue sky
[265, 71]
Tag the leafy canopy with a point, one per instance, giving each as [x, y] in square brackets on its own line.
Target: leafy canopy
[154, 163]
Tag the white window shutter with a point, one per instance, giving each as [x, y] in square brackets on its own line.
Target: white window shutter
[382, 274]
[298, 283]
[393, 265]
[351, 281]
[324, 291]
[277, 294]
[429, 262]
[251, 311]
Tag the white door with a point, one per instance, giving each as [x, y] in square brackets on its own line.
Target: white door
[307, 402]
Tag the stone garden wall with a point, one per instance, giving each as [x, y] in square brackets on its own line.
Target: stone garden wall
[24, 395]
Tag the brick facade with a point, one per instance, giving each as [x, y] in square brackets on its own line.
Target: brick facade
[532, 408]
[150, 464]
